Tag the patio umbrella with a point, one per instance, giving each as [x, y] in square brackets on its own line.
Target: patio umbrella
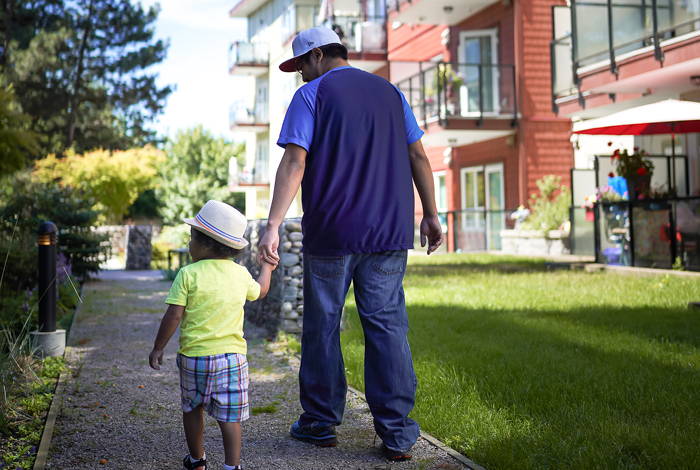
[664, 117]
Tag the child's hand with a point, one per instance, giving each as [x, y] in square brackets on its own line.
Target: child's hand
[272, 265]
[155, 359]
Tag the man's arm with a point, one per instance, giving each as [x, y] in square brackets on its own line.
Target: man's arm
[287, 182]
[423, 178]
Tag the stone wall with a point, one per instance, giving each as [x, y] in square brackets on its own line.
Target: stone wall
[283, 307]
[292, 260]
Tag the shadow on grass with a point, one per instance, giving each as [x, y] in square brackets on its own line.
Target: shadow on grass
[594, 388]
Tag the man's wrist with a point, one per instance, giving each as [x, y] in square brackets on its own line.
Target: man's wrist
[273, 225]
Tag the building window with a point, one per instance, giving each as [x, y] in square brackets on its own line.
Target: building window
[478, 64]
[262, 159]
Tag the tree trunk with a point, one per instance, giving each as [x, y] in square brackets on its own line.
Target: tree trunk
[9, 19]
[73, 102]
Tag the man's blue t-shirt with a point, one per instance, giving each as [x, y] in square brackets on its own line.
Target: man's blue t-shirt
[357, 189]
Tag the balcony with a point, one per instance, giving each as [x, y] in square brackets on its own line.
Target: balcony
[240, 179]
[598, 38]
[459, 104]
[447, 12]
[244, 117]
[246, 58]
[297, 18]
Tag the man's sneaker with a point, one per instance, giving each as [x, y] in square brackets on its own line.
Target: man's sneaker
[187, 464]
[318, 433]
[395, 455]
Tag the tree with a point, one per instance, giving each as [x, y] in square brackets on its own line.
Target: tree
[194, 171]
[80, 70]
[16, 143]
[113, 180]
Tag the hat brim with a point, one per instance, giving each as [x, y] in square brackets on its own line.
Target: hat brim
[289, 65]
[238, 245]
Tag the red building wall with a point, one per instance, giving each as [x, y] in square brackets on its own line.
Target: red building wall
[419, 42]
[544, 138]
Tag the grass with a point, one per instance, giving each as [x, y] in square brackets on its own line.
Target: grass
[519, 367]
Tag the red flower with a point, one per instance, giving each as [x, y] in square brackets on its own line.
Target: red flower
[611, 174]
[641, 171]
[636, 148]
[616, 153]
[609, 144]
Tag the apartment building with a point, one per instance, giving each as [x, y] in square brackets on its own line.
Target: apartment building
[260, 110]
[608, 57]
[477, 75]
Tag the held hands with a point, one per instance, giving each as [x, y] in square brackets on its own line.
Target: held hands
[430, 228]
[267, 250]
[155, 359]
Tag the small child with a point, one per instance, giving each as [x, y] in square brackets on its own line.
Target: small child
[208, 296]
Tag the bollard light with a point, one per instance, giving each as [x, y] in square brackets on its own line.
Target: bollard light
[48, 238]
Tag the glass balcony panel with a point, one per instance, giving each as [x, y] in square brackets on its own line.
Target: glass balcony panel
[562, 65]
[592, 40]
[247, 53]
[242, 112]
[672, 13]
[632, 21]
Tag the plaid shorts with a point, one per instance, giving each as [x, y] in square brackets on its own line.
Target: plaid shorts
[219, 383]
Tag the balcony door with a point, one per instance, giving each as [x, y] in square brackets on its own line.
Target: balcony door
[261, 101]
[495, 205]
[479, 48]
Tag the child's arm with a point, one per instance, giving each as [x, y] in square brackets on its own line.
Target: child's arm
[170, 322]
[264, 278]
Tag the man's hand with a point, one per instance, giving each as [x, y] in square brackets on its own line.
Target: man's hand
[267, 249]
[155, 359]
[430, 228]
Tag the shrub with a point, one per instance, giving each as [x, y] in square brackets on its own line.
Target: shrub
[550, 209]
[26, 204]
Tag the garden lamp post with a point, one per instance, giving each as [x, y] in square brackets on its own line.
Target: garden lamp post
[47, 340]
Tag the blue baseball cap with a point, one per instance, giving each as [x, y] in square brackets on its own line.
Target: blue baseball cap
[306, 41]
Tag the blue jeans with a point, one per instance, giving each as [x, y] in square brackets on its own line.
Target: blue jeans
[390, 381]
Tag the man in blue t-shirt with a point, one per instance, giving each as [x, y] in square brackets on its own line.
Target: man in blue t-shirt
[352, 142]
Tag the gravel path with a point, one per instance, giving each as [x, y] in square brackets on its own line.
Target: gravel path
[117, 408]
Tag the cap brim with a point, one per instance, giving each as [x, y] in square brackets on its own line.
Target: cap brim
[198, 226]
[288, 65]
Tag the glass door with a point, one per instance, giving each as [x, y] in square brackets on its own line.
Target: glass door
[478, 57]
[470, 222]
[261, 101]
[495, 205]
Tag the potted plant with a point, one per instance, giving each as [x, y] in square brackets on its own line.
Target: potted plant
[636, 168]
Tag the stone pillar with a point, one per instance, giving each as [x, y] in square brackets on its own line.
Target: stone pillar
[138, 248]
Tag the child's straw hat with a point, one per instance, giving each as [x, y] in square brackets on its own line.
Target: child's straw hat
[221, 222]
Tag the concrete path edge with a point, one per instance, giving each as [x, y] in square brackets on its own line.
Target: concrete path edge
[437, 443]
[42, 453]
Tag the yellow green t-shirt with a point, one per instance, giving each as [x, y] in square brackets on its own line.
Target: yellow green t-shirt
[213, 292]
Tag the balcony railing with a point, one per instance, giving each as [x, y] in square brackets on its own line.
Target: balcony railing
[599, 30]
[241, 113]
[248, 54]
[360, 35]
[447, 90]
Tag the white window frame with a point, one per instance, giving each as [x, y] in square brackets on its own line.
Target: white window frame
[436, 179]
[463, 185]
[461, 51]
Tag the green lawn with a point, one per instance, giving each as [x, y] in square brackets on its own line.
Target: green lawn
[519, 367]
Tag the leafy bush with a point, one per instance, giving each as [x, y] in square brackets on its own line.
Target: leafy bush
[26, 204]
[113, 180]
[550, 209]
